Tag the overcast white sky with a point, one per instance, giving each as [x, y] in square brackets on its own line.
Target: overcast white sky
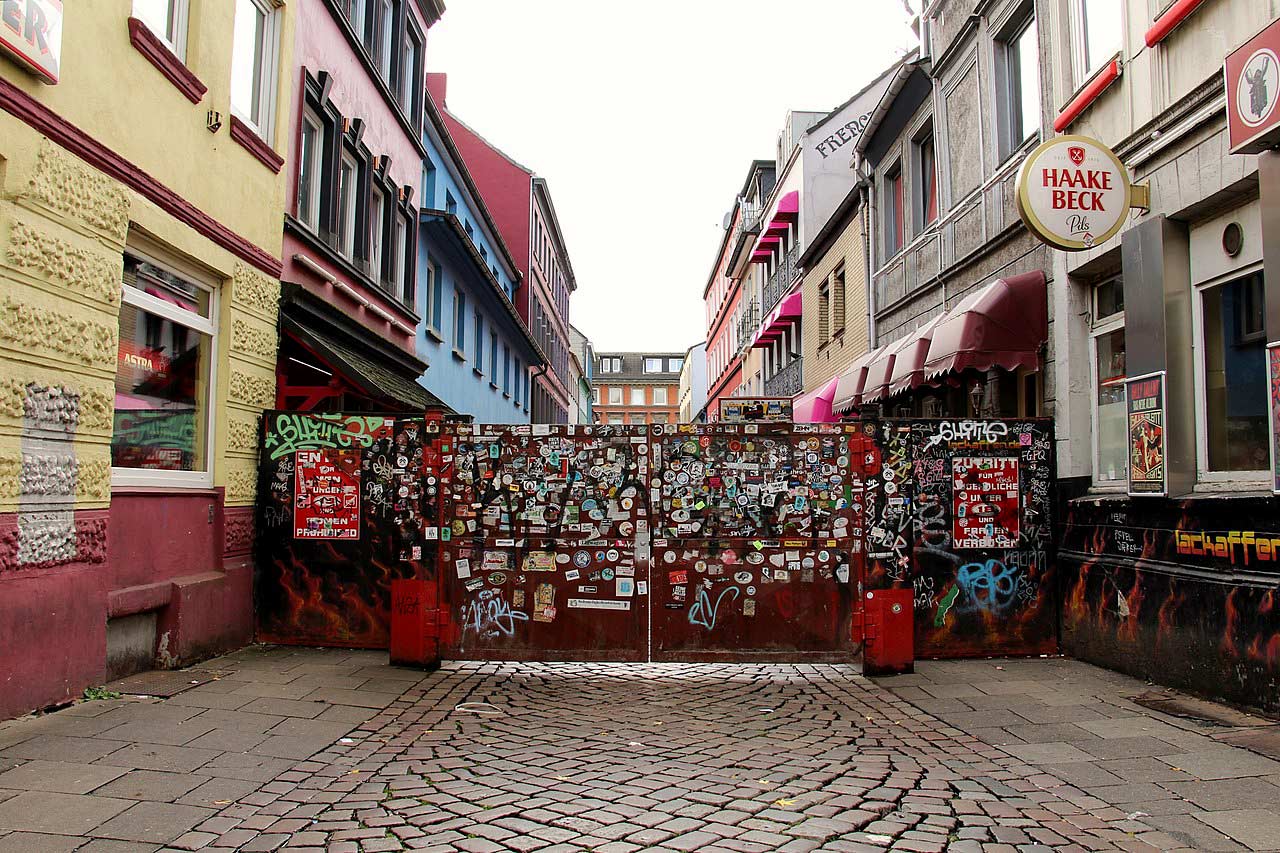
[644, 117]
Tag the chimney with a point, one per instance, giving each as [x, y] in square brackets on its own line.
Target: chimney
[438, 85]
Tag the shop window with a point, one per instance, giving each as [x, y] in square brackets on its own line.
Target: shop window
[1110, 432]
[615, 395]
[925, 180]
[1018, 82]
[167, 20]
[1098, 34]
[637, 396]
[255, 48]
[893, 222]
[310, 165]
[1233, 377]
[161, 423]
[660, 396]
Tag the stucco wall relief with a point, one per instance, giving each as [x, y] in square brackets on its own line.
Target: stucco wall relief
[83, 272]
[258, 392]
[35, 328]
[65, 184]
[251, 289]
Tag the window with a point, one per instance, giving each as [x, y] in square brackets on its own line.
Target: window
[595, 396]
[401, 285]
[478, 336]
[653, 365]
[660, 396]
[309, 167]
[435, 284]
[506, 370]
[409, 83]
[925, 181]
[460, 321]
[1098, 30]
[386, 30]
[837, 300]
[517, 394]
[610, 365]
[450, 203]
[1233, 376]
[675, 365]
[377, 218]
[1110, 432]
[429, 185]
[616, 420]
[167, 19]
[893, 224]
[161, 422]
[637, 396]
[255, 41]
[1018, 70]
[358, 14]
[493, 358]
[347, 176]
[615, 396]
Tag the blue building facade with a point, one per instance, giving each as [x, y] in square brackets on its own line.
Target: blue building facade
[479, 352]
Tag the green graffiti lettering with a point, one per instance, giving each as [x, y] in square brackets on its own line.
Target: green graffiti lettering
[291, 432]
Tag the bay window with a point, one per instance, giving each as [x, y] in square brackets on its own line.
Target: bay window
[255, 47]
[1232, 378]
[1110, 432]
[164, 375]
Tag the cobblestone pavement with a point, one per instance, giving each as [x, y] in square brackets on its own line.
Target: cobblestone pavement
[525, 757]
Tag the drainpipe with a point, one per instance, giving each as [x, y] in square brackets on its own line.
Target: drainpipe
[868, 246]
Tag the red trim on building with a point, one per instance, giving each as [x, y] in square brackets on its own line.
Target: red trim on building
[1172, 17]
[166, 61]
[18, 103]
[256, 145]
[1106, 75]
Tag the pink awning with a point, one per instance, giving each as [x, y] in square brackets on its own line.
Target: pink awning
[908, 367]
[815, 407]
[788, 205]
[880, 371]
[788, 309]
[850, 384]
[784, 214]
[1001, 325]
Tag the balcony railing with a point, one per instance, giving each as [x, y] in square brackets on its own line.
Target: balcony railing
[787, 382]
[748, 325]
[781, 280]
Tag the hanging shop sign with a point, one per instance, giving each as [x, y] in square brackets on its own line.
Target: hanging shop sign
[1074, 193]
[768, 409]
[1252, 77]
[1145, 407]
[1273, 411]
[31, 30]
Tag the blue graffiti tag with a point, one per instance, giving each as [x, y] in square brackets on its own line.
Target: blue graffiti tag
[703, 612]
[991, 586]
[490, 615]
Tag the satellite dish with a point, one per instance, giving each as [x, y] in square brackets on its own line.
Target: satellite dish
[728, 220]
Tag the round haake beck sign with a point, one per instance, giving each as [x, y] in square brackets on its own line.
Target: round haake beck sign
[1073, 192]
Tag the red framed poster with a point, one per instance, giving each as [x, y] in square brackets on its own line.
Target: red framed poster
[327, 495]
[1273, 411]
[985, 501]
[1145, 405]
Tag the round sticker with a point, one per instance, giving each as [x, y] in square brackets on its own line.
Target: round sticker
[669, 557]
[612, 555]
[582, 559]
[742, 577]
[755, 558]
[607, 574]
[1258, 86]
[562, 558]
[751, 590]
[497, 578]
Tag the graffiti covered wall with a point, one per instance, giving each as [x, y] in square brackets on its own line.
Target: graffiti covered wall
[1196, 606]
[346, 504]
[960, 510]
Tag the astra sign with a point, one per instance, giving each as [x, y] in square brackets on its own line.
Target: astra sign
[1073, 192]
[31, 30]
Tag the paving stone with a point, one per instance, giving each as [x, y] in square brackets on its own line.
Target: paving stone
[28, 842]
[154, 785]
[58, 776]
[68, 814]
[155, 822]
[1258, 829]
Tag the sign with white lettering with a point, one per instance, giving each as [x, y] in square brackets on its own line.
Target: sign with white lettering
[31, 30]
[1073, 192]
[1252, 76]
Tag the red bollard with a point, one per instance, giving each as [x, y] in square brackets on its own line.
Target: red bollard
[889, 647]
[415, 628]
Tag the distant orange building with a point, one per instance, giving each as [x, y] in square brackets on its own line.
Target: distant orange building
[637, 387]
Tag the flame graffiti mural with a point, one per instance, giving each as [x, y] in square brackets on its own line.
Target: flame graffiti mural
[1196, 606]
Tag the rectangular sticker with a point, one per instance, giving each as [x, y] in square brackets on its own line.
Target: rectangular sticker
[1145, 408]
[986, 510]
[597, 604]
[327, 494]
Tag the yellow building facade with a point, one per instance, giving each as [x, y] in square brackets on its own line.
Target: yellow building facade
[141, 200]
[834, 327]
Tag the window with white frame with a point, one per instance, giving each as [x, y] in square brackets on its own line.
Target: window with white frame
[660, 396]
[1232, 378]
[310, 160]
[1110, 434]
[610, 365]
[615, 395]
[167, 19]
[378, 223]
[653, 365]
[675, 365]
[1018, 78]
[348, 173]
[925, 179]
[616, 420]
[595, 396]
[386, 32]
[459, 321]
[1098, 34]
[434, 296]
[164, 376]
[255, 47]
[637, 396]
[399, 238]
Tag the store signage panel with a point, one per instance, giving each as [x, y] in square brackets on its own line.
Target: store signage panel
[1073, 193]
[31, 31]
[1252, 78]
[748, 409]
[1145, 409]
[1273, 411]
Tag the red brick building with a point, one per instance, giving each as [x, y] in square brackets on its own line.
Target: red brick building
[637, 387]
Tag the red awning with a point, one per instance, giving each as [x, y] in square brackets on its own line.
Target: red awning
[1001, 325]
[815, 407]
[908, 367]
[789, 309]
[880, 370]
[850, 384]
